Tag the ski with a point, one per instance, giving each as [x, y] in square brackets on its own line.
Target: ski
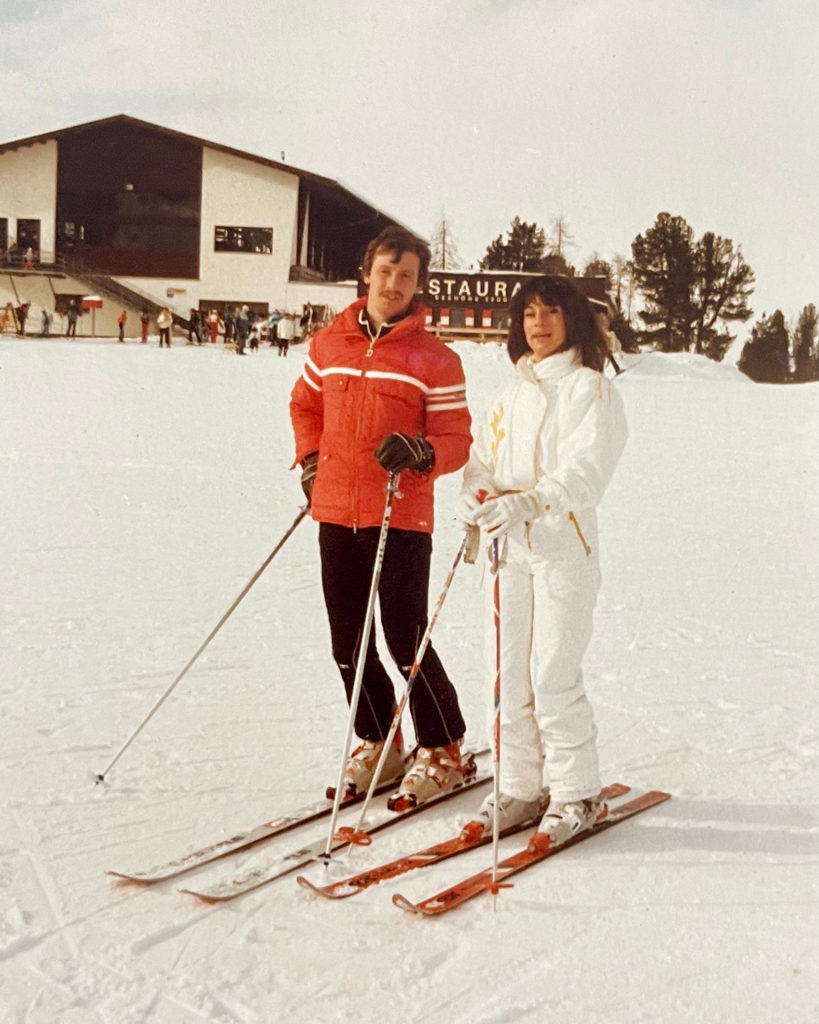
[255, 878]
[484, 881]
[241, 841]
[423, 858]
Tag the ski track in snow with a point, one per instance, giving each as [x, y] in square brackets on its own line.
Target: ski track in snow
[141, 489]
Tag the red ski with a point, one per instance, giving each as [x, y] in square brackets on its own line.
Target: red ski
[488, 880]
[423, 858]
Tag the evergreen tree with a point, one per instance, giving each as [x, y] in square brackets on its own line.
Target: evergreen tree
[597, 267]
[524, 249]
[723, 283]
[663, 268]
[690, 287]
[765, 357]
[496, 257]
[805, 349]
[554, 263]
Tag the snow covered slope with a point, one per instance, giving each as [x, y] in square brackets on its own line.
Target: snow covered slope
[140, 489]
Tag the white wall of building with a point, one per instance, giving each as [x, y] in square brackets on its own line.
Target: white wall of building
[28, 190]
[242, 193]
[246, 194]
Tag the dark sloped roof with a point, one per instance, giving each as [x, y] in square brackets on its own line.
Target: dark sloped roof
[327, 186]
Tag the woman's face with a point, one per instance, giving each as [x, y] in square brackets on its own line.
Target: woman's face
[544, 328]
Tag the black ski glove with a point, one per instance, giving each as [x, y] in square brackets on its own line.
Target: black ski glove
[309, 468]
[398, 452]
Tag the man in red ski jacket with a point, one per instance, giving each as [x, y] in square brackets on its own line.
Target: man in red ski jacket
[378, 394]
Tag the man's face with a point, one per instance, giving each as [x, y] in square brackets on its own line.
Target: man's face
[392, 283]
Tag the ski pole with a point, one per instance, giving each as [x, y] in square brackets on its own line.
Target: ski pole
[302, 513]
[392, 488]
[358, 835]
[496, 729]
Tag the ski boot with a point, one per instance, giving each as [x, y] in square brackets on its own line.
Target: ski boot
[435, 770]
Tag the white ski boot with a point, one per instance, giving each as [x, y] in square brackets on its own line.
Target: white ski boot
[564, 820]
[435, 770]
[363, 761]
[512, 812]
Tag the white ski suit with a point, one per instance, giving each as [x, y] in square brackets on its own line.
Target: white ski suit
[555, 433]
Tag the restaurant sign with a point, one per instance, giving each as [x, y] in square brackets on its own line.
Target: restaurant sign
[474, 290]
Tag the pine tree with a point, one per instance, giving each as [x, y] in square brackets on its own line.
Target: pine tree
[496, 257]
[524, 249]
[597, 267]
[722, 286]
[663, 268]
[554, 263]
[691, 288]
[765, 357]
[805, 348]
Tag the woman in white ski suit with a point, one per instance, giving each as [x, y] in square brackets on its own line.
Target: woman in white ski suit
[540, 462]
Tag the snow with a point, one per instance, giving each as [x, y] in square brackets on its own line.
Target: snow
[141, 489]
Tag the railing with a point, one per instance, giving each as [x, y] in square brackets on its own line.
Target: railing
[468, 333]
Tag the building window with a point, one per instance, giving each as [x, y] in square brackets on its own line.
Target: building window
[233, 239]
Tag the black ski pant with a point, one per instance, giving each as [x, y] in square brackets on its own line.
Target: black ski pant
[347, 560]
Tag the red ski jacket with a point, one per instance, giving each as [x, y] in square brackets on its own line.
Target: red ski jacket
[353, 392]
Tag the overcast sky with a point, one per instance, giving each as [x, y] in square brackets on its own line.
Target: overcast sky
[606, 112]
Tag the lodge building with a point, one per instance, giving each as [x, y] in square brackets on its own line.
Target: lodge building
[147, 217]
[141, 216]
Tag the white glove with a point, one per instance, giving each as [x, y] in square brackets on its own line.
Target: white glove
[497, 515]
[468, 506]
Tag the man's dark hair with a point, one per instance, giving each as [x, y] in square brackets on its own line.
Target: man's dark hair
[398, 241]
[582, 329]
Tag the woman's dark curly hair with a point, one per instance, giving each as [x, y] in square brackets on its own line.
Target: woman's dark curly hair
[582, 329]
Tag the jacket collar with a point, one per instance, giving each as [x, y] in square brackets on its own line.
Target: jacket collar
[553, 368]
[356, 316]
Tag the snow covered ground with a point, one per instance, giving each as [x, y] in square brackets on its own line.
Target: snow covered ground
[140, 489]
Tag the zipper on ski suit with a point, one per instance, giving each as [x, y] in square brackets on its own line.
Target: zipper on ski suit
[359, 403]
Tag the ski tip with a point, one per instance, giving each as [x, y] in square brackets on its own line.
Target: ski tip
[305, 883]
[120, 879]
[404, 904]
[201, 897]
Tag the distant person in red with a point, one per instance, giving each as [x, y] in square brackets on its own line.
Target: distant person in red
[121, 324]
[213, 325]
[22, 315]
